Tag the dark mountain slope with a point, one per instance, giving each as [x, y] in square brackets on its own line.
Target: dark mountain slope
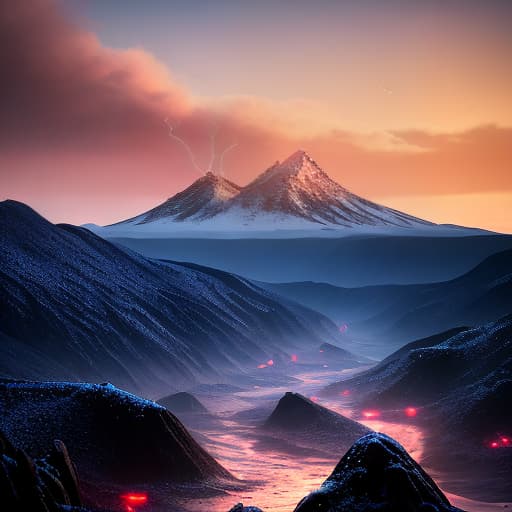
[111, 435]
[77, 307]
[460, 383]
[377, 474]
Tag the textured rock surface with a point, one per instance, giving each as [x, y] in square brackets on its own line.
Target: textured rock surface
[37, 485]
[112, 436]
[377, 474]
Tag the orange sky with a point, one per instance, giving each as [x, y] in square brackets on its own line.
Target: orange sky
[412, 110]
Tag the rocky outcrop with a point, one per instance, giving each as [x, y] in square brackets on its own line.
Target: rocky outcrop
[377, 474]
[114, 437]
[37, 485]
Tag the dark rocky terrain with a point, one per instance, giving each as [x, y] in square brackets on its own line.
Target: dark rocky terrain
[114, 438]
[377, 474]
[75, 307]
[46, 484]
[298, 424]
[460, 383]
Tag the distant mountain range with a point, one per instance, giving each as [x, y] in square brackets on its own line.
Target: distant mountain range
[74, 306]
[295, 195]
[395, 314]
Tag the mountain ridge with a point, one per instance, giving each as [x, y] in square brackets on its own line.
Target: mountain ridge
[77, 307]
[296, 194]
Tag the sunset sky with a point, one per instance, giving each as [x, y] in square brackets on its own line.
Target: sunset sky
[405, 103]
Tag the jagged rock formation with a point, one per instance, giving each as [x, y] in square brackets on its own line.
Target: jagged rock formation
[113, 436]
[38, 485]
[377, 474]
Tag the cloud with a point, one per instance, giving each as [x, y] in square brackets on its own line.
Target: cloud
[77, 116]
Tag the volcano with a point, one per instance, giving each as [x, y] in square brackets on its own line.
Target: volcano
[295, 194]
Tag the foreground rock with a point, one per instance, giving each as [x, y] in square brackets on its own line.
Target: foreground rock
[377, 474]
[114, 437]
[42, 485]
[460, 384]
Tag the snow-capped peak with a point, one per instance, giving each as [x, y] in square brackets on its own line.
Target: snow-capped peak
[204, 198]
[293, 194]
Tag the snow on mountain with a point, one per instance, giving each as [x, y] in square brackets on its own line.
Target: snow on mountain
[298, 187]
[205, 198]
[294, 195]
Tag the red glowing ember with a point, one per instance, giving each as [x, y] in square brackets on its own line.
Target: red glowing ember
[410, 412]
[270, 362]
[313, 398]
[294, 358]
[369, 414]
[502, 442]
[262, 366]
[134, 500]
[343, 328]
[345, 392]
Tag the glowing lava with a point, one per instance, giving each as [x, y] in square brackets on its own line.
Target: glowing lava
[343, 328]
[501, 442]
[410, 412]
[370, 414]
[262, 366]
[134, 500]
[270, 362]
[294, 358]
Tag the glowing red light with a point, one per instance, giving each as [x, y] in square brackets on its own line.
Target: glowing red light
[369, 414]
[505, 441]
[270, 362]
[134, 500]
[262, 366]
[410, 412]
[494, 444]
[313, 398]
[294, 358]
[321, 350]
[345, 392]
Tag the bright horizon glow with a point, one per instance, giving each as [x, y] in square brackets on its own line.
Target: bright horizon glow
[404, 103]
